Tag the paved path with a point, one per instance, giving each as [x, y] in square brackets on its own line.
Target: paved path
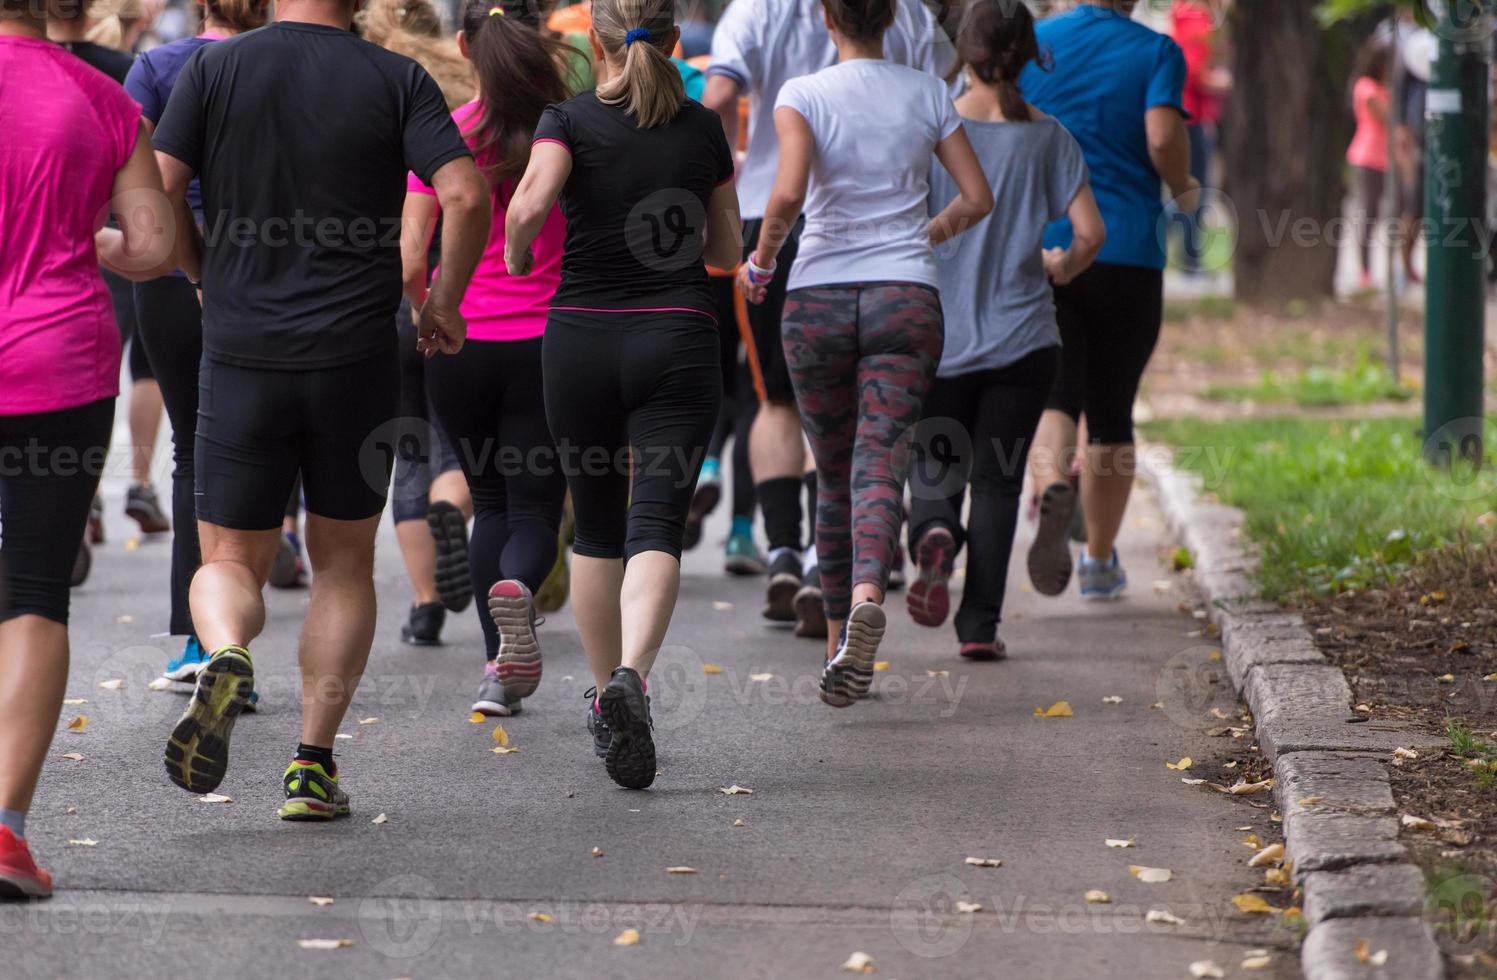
[854, 838]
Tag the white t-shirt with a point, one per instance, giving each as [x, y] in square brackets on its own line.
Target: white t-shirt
[762, 44]
[876, 126]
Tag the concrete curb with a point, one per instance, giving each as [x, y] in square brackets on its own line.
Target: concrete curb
[1340, 823]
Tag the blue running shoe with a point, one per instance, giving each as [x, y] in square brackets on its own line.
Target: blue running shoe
[1102, 581]
[191, 661]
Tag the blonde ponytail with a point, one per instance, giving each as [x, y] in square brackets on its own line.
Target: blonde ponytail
[412, 28]
[111, 19]
[648, 86]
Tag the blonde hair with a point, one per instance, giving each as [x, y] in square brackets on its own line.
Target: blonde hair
[111, 19]
[412, 28]
[241, 15]
[648, 86]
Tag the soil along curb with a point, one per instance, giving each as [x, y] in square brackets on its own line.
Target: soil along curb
[1340, 824]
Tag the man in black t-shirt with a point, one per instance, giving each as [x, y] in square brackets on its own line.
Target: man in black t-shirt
[301, 135]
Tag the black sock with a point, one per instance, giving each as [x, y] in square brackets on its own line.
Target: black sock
[317, 754]
[780, 500]
[810, 481]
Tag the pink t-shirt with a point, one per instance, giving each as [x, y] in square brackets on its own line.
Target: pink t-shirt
[68, 129]
[1369, 147]
[499, 306]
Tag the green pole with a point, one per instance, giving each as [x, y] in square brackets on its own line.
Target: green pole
[1455, 205]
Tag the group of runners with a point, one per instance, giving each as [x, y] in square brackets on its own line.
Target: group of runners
[537, 271]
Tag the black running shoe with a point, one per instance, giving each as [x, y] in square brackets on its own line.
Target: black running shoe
[288, 570]
[83, 563]
[704, 501]
[449, 529]
[1050, 561]
[197, 754]
[784, 583]
[597, 727]
[810, 613]
[143, 508]
[849, 674]
[626, 712]
[425, 626]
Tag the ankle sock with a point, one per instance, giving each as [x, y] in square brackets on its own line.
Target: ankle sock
[317, 754]
[15, 820]
[780, 500]
[743, 527]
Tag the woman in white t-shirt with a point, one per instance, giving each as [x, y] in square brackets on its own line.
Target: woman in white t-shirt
[862, 328]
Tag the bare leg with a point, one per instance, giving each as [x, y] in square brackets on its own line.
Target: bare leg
[777, 447]
[1106, 482]
[452, 487]
[862, 592]
[652, 581]
[1054, 448]
[228, 608]
[597, 584]
[145, 411]
[339, 628]
[33, 682]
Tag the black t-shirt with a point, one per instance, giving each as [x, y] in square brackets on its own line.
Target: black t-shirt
[302, 136]
[115, 64]
[636, 205]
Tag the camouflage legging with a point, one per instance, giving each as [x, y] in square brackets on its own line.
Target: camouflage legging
[862, 358]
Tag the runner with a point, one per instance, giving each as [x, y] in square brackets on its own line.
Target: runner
[631, 351]
[1117, 87]
[489, 397]
[85, 153]
[413, 28]
[759, 45]
[301, 281]
[1002, 348]
[170, 321]
[1368, 153]
[862, 329]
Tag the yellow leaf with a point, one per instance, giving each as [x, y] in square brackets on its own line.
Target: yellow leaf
[476, 718]
[711, 669]
[881, 665]
[859, 963]
[1060, 709]
[78, 724]
[1276, 876]
[541, 917]
[629, 937]
[1098, 897]
[1251, 840]
[132, 544]
[984, 862]
[324, 943]
[1362, 951]
[1270, 855]
[1216, 656]
[1259, 962]
[681, 870]
[1152, 876]
[500, 735]
[1252, 904]
[319, 901]
[1184, 763]
[501, 750]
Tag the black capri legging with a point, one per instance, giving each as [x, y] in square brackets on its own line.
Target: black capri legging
[1109, 319]
[50, 464]
[631, 394]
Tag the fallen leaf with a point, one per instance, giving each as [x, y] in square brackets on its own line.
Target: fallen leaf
[1270, 855]
[1115, 842]
[73, 756]
[1446, 678]
[1361, 708]
[597, 852]
[1183, 764]
[1490, 677]
[681, 870]
[1310, 800]
[1378, 958]
[1098, 897]
[85, 842]
[1251, 840]
[161, 684]
[501, 750]
[541, 917]
[739, 823]
[1362, 951]
[1259, 962]
[214, 798]
[126, 619]
[1276, 876]
[735, 790]
[1159, 705]
[1400, 754]
[881, 665]
[112, 685]
[711, 669]
[132, 544]
[1203, 969]
[380, 819]
[859, 963]
[1216, 656]
[629, 937]
[1163, 917]
[367, 721]
[761, 677]
[1192, 782]
[342, 737]
[938, 673]
[500, 735]
[75, 701]
[968, 908]
[319, 901]
[1112, 699]
[721, 606]
[1244, 788]
[1252, 904]
[476, 718]
[1231, 765]
[78, 724]
[1060, 709]
[324, 943]
[984, 862]
[1151, 876]
[1416, 823]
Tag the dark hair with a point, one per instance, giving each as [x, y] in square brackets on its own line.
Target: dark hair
[519, 75]
[241, 15]
[996, 42]
[861, 20]
[1372, 60]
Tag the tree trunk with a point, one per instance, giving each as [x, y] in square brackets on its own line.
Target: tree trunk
[1285, 138]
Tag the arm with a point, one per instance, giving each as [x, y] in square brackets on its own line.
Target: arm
[1378, 106]
[463, 196]
[974, 200]
[550, 166]
[724, 229]
[141, 249]
[1169, 150]
[417, 221]
[786, 200]
[1089, 234]
[722, 97]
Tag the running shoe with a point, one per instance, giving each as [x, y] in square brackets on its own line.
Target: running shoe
[743, 557]
[288, 571]
[20, 878]
[596, 726]
[847, 676]
[189, 663]
[1050, 562]
[557, 588]
[625, 709]
[197, 754]
[709, 494]
[810, 612]
[96, 521]
[424, 628]
[1102, 581]
[449, 529]
[995, 650]
[311, 794]
[513, 610]
[143, 508]
[929, 599]
[784, 583]
[492, 701]
[896, 569]
[83, 563]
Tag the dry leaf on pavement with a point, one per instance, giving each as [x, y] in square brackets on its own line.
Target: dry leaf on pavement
[761, 677]
[597, 852]
[75, 700]
[541, 917]
[1244, 788]
[477, 718]
[977, 862]
[1152, 876]
[1204, 969]
[681, 870]
[78, 724]
[1191, 782]
[1252, 904]
[1115, 842]
[367, 721]
[1270, 855]
[380, 819]
[711, 669]
[881, 665]
[722, 606]
[85, 842]
[324, 943]
[1112, 699]
[968, 908]
[859, 963]
[1098, 897]
[319, 901]
[735, 790]
[1060, 709]
[502, 750]
[73, 756]
[1276, 876]
[1416, 823]
[112, 685]
[1256, 960]
[1164, 917]
[629, 937]
[739, 823]
[500, 735]
[160, 684]
[1183, 764]
[214, 798]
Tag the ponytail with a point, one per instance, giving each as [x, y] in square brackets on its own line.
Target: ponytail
[412, 28]
[239, 15]
[648, 86]
[112, 18]
[996, 42]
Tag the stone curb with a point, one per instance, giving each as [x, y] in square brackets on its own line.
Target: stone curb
[1340, 823]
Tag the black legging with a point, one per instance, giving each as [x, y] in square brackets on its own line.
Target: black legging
[50, 464]
[999, 411]
[170, 328]
[632, 398]
[740, 402]
[489, 400]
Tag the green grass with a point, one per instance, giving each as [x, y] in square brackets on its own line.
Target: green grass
[1465, 744]
[1331, 505]
[1458, 905]
[1366, 380]
[1205, 308]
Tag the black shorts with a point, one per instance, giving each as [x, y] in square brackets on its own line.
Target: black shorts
[338, 427]
[771, 376]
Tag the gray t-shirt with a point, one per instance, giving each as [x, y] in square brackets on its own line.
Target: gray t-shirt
[998, 303]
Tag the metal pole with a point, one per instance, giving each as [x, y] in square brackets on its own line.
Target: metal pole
[1455, 201]
[1392, 219]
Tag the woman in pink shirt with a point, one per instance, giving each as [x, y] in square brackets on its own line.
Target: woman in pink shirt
[1368, 153]
[74, 151]
[488, 398]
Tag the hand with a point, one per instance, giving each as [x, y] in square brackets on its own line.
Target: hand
[440, 329]
[752, 293]
[1057, 269]
[519, 263]
[1189, 200]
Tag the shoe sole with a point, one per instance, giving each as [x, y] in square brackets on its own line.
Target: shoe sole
[985, 656]
[848, 677]
[929, 598]
[1110, 596]
[411, 640]
[519, 651]
[83, 563]
[779, 603]
[150, 521]
[186, 674]
[1050, 561]
[450, 532]
[810, 613]
[493, 709]
[14, 889]
[310, 809]
[631, 754]
[742, 565]
[283, 572]
[703, 503]
[197, 754]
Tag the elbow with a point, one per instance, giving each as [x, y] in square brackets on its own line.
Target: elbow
[722, 255]
[783, 204]
[983, 204]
